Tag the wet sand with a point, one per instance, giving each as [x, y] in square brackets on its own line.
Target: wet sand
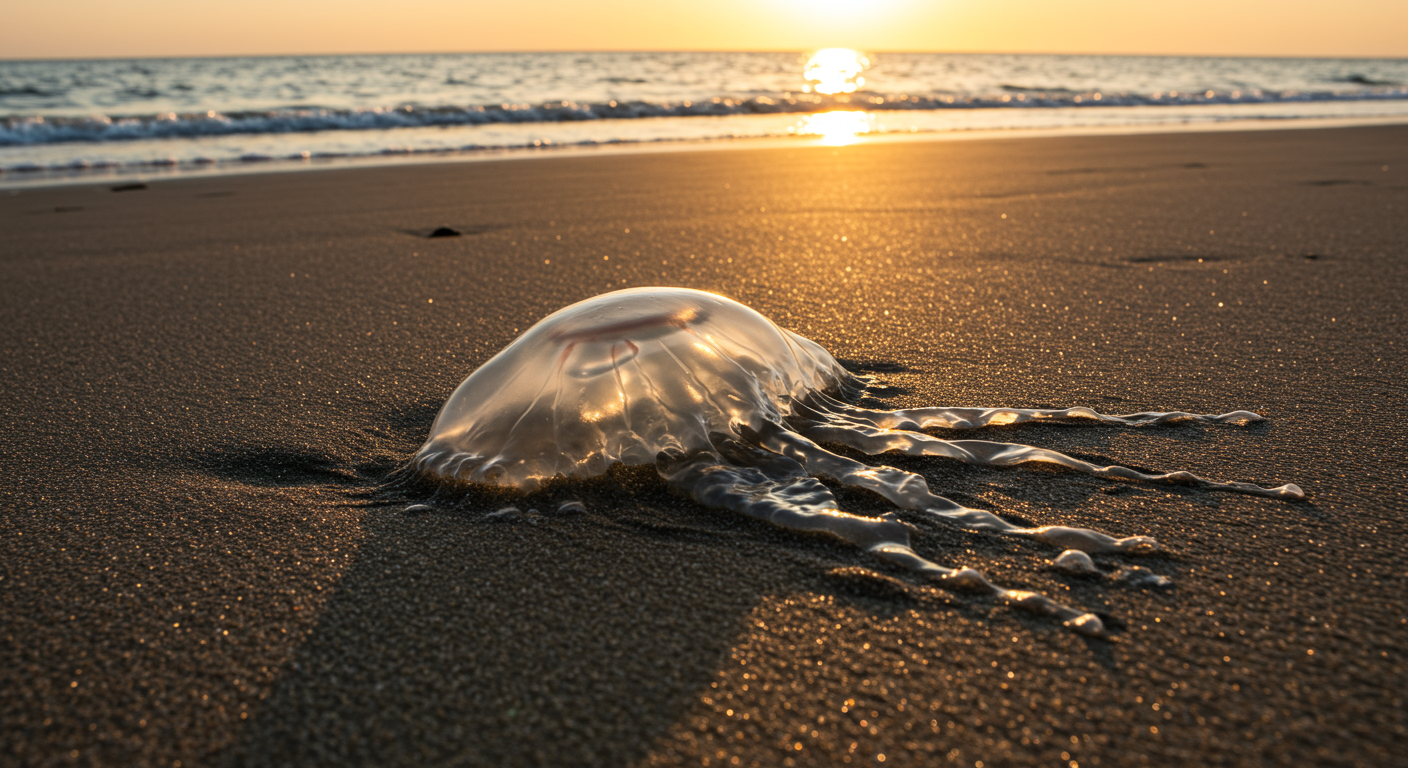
[206, 381]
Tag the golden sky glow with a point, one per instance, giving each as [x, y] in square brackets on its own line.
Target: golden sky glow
[95, 28]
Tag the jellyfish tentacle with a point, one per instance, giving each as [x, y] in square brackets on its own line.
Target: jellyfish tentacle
[976, 418]
[907, 490]
[982, 417]
[968, 579]
[773, 487]
[994, 454]
[798, 503]
[877, 440]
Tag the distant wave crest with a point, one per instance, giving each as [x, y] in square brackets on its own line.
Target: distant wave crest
[37, 130]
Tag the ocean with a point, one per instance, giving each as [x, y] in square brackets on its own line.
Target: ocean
[83, 118]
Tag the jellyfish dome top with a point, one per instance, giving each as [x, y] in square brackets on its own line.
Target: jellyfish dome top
[731, 410]
[622, 377]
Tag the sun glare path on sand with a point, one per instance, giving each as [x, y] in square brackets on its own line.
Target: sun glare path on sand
[836, 128]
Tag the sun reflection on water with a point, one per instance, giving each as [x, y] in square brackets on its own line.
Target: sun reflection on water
[834, 70]
[836, 128]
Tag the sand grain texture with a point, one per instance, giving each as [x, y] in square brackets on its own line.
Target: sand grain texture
[206, 380]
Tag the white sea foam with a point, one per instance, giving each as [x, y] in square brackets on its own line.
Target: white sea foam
[38, 129]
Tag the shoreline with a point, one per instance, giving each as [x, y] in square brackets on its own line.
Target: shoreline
[207, 384]
[34, 179]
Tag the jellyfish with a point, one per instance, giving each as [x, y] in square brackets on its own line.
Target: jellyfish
[733, 411]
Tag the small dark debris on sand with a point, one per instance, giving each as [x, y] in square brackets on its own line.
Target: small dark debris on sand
[444, 232]
[129, 187]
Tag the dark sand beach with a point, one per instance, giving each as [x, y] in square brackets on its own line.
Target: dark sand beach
[206, 382]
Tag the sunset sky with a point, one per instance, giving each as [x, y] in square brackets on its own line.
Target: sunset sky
[102, 28]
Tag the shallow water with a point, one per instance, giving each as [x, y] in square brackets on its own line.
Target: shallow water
[160, 115]
[731, 410]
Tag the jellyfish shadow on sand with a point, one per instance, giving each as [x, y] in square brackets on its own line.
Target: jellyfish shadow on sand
[469, 634]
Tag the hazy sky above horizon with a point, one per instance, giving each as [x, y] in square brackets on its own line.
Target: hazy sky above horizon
[102, 28]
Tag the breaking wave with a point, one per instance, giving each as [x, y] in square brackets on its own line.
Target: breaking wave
[41, 130]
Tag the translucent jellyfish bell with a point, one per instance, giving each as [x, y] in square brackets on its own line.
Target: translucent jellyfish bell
[622, 377]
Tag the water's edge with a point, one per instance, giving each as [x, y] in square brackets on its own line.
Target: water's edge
[141, 172]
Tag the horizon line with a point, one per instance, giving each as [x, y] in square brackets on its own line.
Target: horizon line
[525, 51]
